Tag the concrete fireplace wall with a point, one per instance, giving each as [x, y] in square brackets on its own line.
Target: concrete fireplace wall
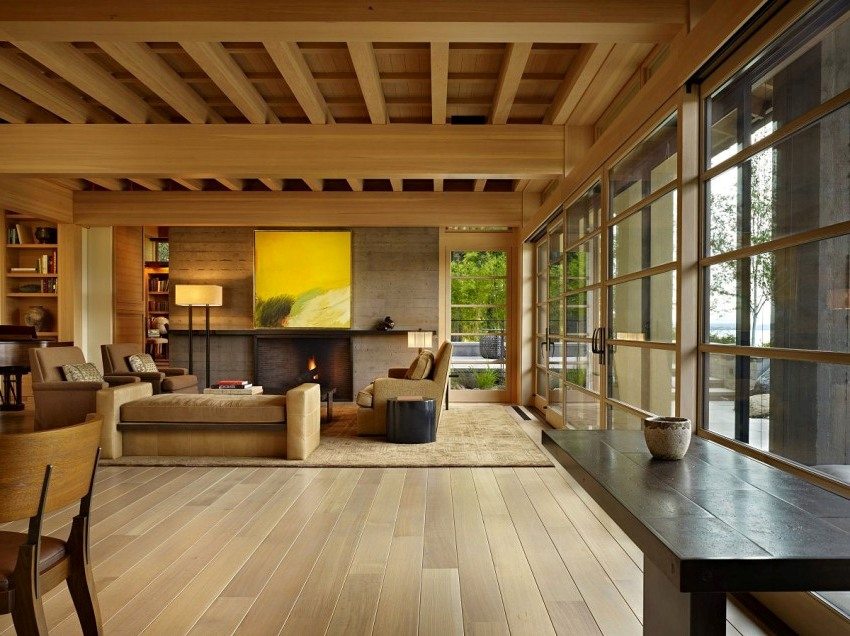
[394, 272]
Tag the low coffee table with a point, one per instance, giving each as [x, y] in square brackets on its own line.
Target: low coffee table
[411, 420]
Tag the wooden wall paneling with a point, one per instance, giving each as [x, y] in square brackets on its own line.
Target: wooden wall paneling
[70, 284]
[128, 300]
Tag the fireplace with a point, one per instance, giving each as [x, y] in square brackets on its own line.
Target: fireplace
[281, 363]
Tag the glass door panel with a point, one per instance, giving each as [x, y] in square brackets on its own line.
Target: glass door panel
[479, 319]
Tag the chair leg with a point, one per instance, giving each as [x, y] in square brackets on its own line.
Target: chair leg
[81, 580]
[27, 611]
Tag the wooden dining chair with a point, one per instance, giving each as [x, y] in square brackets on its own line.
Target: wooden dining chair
[41, 472]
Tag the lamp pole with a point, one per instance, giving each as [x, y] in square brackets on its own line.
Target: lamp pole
[191, 366]
[207, 362]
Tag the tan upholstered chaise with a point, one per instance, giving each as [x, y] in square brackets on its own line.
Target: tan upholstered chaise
[57, 401]
[166, 380]
[214, 425]
[372, 420]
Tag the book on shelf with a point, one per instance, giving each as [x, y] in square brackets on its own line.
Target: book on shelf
[25, 235]
[12, 237]
[23, 270]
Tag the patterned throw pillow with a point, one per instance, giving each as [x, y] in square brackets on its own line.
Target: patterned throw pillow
[142, 363]
[81, 373]
[421, 367]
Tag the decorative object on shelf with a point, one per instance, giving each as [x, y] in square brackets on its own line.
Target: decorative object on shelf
[667, 437]
[160, 325]
[30, 288]
[45, 235]
[387, 324]
[36, 316]
[205, 296]
[420, 339]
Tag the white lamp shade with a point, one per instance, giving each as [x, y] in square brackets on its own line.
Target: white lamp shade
[419, 339]
[198, 295]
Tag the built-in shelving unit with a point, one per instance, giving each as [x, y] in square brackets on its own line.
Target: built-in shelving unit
[157, 288]
[31, 272]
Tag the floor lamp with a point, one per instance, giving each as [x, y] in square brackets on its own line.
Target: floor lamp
[205, 296]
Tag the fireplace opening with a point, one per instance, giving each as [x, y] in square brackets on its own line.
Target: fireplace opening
[284, 363]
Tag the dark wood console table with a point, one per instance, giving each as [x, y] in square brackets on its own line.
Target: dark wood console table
[715, 522]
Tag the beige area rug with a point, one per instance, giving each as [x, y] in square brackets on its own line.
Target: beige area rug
[469, 435]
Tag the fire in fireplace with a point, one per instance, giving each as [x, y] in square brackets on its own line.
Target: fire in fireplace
[312, 372]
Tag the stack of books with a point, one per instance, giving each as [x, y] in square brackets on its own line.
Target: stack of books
[234, 387]
[233, 384]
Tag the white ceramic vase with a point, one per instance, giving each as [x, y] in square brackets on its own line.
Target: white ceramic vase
[667, 437]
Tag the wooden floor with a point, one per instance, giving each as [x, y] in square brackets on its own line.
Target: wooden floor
[355, 551]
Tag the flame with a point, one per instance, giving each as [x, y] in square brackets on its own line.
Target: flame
[311, 363]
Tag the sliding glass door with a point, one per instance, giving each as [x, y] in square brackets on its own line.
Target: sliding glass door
[606, 294]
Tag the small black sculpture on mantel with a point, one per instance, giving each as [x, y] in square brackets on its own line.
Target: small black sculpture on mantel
[387, 324]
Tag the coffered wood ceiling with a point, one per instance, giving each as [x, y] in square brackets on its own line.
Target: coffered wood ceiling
[105, 68]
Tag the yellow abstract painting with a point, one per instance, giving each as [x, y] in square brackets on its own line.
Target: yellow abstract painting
[302, 279]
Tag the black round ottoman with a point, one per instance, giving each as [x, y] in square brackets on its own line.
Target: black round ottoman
[411, 421]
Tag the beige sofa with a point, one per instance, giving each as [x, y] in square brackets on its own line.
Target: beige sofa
[211, 425]
[372, 420]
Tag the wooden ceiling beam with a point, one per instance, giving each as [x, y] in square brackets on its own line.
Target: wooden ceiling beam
[510, 74]
[439, 89]
[366, 68]
[27, 79]
[17, 110]
[439, 81]
[289, 60]
[155, 73]
[107, 183]
[298, 209]
[343, 20]
[513, 65]
[217, 63]
[92, 79]
[397, 185]
[582, 70]
[293, 151]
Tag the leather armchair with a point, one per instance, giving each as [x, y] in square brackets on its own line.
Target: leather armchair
[372, 420]
[57, 401]
[166, 380]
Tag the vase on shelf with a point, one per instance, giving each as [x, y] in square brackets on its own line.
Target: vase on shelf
[45, 235]
[36, 316]
[667, 437]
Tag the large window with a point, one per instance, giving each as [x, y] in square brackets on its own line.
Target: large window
[776, 255]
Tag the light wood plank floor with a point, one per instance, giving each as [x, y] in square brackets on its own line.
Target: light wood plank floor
[355, 551]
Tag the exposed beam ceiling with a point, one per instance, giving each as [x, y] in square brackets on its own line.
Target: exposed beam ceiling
[310, 209]
[343, 20]
[152, 70]
[81, 71]
[229, 77]
[579, 76]
[439, 81]
[293, 151]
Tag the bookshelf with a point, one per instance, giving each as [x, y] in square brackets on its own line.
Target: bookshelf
[31, 272]
[156, 299]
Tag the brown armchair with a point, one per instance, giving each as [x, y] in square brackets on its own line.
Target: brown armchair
[166, 380]
[372, 419]
[57, 401]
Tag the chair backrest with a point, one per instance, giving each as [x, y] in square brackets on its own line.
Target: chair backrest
[70, 450]
[442, 361]
[115, 357]
[46, 362]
